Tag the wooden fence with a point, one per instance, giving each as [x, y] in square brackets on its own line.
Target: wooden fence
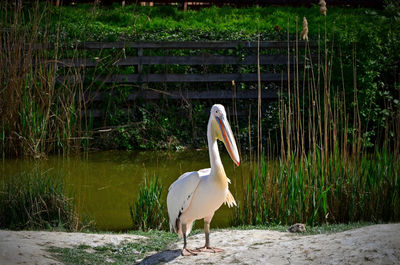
[206, 55]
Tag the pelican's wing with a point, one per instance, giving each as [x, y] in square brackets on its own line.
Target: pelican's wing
[179, 197]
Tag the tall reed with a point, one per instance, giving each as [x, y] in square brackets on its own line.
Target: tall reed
[311, 192]
[325, 171]
[38, 115]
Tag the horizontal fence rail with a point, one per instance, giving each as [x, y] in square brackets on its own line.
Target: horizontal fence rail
[270, 94]
[211, 94]
[182, 60]
[179, 45]
[177, 78]
[141, 76]
[135, 64]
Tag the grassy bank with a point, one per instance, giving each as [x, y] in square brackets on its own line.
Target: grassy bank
[169, 23]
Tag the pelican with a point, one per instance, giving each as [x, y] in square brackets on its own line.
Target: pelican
[198, 194]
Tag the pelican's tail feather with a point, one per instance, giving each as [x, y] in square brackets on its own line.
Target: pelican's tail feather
[230, 200]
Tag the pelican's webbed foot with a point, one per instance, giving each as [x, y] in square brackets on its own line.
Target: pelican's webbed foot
[189, 252]
[209, 249]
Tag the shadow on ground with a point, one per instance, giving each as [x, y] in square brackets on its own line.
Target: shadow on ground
[161, 257]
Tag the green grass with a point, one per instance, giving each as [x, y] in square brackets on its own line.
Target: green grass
[148, 211]
[169, 23]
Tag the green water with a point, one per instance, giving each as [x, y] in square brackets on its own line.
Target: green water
[104, 184]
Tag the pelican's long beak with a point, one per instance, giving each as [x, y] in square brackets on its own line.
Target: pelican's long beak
[228, 139]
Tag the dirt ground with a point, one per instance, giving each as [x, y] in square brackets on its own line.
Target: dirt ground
[377, 244]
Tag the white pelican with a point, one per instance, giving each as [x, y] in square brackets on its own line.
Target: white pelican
[198, 194]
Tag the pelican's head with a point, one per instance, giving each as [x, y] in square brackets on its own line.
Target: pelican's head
[222, 131]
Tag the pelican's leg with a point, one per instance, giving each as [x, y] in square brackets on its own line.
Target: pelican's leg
[185, 250]
[207, 247]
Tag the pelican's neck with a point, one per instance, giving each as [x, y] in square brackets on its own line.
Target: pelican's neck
[215, 159]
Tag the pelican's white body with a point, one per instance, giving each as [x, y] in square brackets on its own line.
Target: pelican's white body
[198, 194]
[207, 198]
[201, 198]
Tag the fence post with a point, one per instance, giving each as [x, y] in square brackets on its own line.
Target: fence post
[140, 66]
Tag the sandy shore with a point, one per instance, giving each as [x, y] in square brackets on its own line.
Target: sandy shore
[377, 244]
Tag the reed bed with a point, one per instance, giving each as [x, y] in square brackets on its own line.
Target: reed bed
[36, 200]
[328, 168]
[311, 192]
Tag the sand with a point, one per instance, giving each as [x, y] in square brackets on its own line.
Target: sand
[377, 244]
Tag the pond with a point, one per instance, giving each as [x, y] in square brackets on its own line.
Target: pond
[104, 184]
